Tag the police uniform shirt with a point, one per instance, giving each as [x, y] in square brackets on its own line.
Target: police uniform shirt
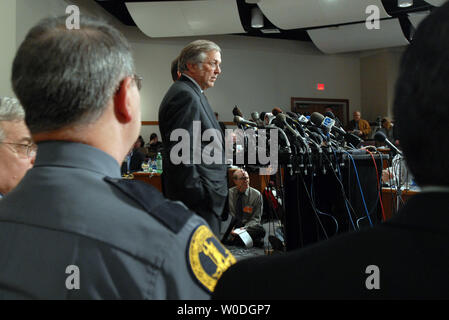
[252, 205]
[72, 229]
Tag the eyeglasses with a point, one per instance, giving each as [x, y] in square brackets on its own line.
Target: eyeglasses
[27, 150]
[214, 64]
[243, 178]
[138, 80]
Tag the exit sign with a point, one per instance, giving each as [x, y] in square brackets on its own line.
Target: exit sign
[320, 86]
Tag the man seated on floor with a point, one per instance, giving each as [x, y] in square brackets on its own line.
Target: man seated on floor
[245, 206]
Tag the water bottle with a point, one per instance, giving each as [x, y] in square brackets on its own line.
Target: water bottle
[159, 162]
[153, 166]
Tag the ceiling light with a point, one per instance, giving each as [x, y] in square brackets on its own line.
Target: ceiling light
[270, 30]
[256, 18]
[405, 3]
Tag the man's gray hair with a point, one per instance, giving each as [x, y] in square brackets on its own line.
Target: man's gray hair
[64, 77]
[10, 110]
[195, 53]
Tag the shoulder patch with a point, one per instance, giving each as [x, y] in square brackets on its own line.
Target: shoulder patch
[207, 257]
[171, 214]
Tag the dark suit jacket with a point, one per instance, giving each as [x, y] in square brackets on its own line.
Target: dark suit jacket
[411, 251]
[135, 163]
[202, 187]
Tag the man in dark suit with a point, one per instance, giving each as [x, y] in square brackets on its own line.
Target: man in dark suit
[406, 257]
[199, 184]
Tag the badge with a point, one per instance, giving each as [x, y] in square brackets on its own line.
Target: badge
[207, 257]
[248, 209]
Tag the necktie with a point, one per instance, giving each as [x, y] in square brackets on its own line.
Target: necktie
[239, 207]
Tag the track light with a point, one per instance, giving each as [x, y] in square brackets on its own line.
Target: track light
[405, 3]
[256, 18]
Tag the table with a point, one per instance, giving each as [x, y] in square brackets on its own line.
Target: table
[389, 199]
[149, 177]
[257, 181]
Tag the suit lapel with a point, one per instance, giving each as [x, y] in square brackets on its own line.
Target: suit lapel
[204, 102]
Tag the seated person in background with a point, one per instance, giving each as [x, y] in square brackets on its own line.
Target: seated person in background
[133, 160]
[359, 126]
[398, 174]
[154, 146]
[387, 128]
[17, 151]
[245, 206]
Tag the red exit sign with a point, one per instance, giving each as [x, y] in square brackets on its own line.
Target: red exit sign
[320, 86]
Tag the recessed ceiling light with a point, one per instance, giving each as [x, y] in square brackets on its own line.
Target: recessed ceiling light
[405, 3]
[270, 30]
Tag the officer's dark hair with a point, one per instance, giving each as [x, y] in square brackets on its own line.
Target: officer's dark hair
[174, 69]
[67, 76]
[421, 105]
[152, 136]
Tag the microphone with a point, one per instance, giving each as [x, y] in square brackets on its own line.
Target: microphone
[283, 119]
[381, 137]
[256, 118]
[326, 123]
[331, 115]
[276, 111]
[240, 120]
[236, 112]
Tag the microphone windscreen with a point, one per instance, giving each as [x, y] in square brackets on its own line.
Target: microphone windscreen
[262, 115]
[255, 115]
[281, 117]
[316, 118]
[329, 114]
[276, 111]
[236, 112]
[380, 136]
[292, 114]
[237, 119]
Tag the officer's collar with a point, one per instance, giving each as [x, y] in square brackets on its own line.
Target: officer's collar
[76, 155]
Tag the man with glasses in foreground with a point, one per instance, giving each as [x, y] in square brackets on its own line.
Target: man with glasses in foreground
[74, 229]
[17, 151]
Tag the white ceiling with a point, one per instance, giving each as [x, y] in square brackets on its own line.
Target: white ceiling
[186, 18]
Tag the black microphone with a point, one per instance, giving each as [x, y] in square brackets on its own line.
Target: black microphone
[331, 115]
[280, 117]
[381, 137]
[325, 122]
[256, 118]
[240, 120]
[236, 112]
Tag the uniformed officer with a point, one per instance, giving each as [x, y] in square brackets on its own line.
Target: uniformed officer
[72, 229]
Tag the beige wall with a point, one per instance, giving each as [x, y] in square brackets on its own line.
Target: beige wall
[8, 39]
[378, 73]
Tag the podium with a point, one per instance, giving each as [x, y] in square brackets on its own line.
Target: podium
[329, 215]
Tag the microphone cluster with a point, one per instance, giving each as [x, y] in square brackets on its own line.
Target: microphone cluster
[305, 145]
